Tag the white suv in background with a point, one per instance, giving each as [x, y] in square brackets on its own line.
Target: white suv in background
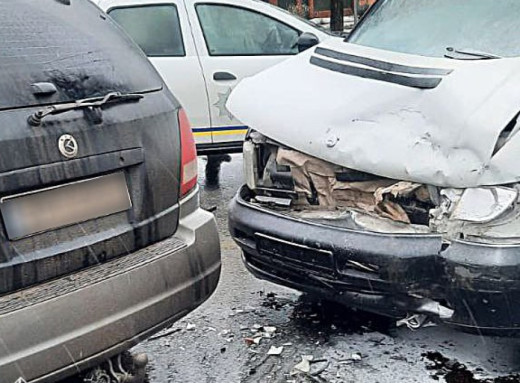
[204, 48]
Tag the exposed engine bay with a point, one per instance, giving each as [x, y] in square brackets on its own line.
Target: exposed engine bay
[307, 187]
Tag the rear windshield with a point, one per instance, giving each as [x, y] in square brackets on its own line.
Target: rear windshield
[429, 27]
[75, 47]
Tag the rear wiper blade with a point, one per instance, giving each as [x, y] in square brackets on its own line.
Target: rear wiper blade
[36, 118]
[469, 54]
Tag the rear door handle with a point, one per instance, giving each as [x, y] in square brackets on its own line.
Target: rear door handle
[223, 76]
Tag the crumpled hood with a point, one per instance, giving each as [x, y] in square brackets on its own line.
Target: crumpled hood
[414, 118]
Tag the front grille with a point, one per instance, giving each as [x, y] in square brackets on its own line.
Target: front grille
[300, 255]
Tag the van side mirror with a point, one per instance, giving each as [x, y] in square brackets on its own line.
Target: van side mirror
[306, 41]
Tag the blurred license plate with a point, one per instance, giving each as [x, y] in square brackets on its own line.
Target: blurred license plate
[47, 209]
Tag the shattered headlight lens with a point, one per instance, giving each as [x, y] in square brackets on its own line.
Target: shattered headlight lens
[482, 205]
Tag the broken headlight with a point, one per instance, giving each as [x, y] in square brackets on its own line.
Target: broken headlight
[484, 214]
[484, 204]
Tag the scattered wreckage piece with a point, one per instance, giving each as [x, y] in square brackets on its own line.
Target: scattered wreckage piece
[273, 350]
[304, 367]
[259, 333]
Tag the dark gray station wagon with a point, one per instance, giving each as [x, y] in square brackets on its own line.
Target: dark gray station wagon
[102, 240]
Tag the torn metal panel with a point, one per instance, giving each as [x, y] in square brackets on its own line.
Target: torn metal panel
[374, 196]
[444, 136]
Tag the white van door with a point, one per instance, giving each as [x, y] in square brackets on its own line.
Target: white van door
[236, 39]
[162, 30]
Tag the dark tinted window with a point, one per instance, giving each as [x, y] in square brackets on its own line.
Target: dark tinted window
[233, 31]
[156, 28]
[428, 27]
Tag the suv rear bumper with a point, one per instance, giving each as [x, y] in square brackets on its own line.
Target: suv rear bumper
[389, 274]
[55, 329]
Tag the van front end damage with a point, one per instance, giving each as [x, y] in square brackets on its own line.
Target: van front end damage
[397, 248]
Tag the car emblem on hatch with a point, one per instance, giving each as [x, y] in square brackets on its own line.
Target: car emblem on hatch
[68, 146]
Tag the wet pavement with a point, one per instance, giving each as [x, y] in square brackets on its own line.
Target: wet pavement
[218, 342]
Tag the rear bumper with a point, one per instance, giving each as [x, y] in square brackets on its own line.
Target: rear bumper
[55, 329]
[390, 274]
[220, 148]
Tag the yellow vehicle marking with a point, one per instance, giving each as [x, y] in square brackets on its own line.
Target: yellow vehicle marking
[220, 133]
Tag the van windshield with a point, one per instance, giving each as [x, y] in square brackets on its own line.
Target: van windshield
[430, 27]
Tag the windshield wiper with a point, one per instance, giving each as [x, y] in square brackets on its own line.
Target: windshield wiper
[469, 54]
[36, 118]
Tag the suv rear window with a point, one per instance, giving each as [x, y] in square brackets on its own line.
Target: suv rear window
[75, 47]
[428, 27]
[155, 28]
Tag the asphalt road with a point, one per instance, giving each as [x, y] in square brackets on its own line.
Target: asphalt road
[209, 345]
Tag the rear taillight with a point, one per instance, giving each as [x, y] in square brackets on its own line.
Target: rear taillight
[189, 155]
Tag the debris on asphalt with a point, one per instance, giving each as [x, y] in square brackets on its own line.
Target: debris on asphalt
[319, 370]
[227, 335]
[275, 350]
[245, 310]
[260, 332]
[267, 331]
[303, 366]
[236, 312]
[250, 341]
[356, 357]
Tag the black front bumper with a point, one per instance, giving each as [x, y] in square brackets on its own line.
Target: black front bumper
[389, 274]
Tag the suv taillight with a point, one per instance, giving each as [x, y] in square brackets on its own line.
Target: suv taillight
[189, 155]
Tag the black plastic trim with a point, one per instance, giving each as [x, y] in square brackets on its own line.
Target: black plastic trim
[413, 82]
[220, 148]
[382, 65]
[223, 76]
